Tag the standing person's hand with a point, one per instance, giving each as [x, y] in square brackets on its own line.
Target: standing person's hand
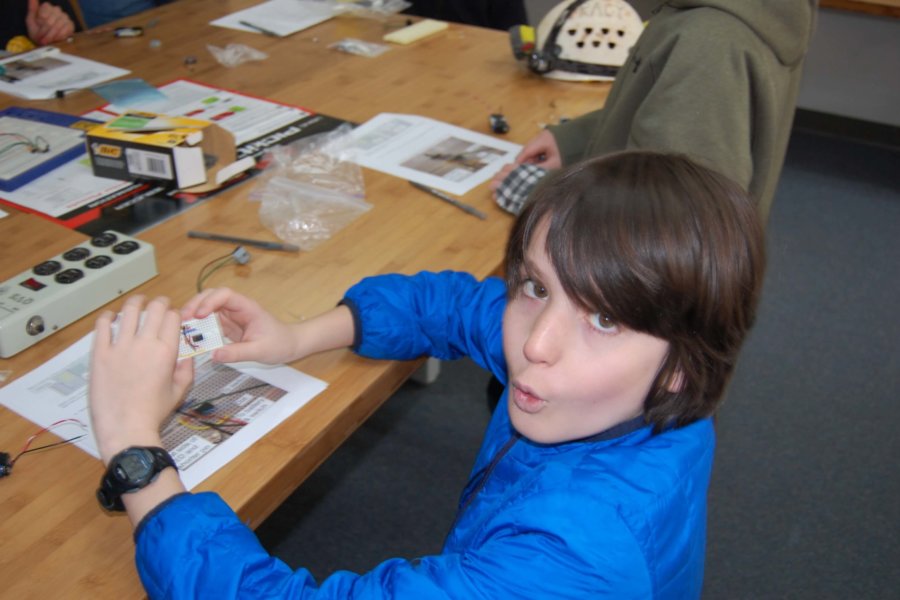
[542, 150]
[47, 23]
[136, 381]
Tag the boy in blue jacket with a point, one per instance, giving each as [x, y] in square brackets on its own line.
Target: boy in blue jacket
[631, 283]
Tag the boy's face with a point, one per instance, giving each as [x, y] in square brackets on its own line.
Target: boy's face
[572, 374]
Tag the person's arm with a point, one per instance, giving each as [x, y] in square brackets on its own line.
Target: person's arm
[136, 380]
[135, 383]
[198, 548]
[446, 315]
[573, 137]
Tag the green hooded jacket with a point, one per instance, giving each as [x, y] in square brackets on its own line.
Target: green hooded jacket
[716, 80]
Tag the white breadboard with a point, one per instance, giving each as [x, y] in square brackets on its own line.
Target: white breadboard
[199, 336]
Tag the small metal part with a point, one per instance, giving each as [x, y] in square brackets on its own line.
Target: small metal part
[35, 326]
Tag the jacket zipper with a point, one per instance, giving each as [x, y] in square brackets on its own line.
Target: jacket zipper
[486, 474]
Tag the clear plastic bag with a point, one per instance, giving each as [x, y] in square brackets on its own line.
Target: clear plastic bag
[311, 189]
[360, 47]
[234, 54]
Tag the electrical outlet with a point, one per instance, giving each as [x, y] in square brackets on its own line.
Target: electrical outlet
[60, 290]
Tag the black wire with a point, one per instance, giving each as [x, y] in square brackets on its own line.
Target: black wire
[197, 403]
[44, 447]
[218, 427]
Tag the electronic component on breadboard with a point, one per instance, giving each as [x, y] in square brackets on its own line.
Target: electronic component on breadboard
[199, 336]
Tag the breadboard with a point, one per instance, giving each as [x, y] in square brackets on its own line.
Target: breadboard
[34, 142]
[199, 336]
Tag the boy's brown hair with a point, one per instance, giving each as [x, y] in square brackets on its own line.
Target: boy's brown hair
[660, 245]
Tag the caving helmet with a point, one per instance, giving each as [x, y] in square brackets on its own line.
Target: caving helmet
[579, 40]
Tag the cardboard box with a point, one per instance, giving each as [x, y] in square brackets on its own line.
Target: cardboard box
[192, 154]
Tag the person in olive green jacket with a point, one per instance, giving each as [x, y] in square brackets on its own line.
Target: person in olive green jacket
[716, 80]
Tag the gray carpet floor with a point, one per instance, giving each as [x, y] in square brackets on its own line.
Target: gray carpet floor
[804, 498]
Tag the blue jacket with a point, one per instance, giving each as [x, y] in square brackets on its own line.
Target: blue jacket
[619, 515]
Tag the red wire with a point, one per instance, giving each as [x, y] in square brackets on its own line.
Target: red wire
[44, 430]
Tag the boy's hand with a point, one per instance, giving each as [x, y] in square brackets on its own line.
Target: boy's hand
[135, 382]
[47, 23]
[542, 150]
[255, 333]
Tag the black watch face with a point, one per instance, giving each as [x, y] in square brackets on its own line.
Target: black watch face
[134, 466]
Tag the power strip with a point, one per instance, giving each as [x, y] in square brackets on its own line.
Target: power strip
[66, 287]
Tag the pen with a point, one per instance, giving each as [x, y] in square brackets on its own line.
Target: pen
[460, 205]
[262, 30]
[247, 242]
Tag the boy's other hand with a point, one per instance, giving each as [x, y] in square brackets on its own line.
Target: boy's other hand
[135, 381]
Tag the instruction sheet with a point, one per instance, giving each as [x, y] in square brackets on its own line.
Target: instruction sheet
[229, 407]
[40, 73]
[430, 152]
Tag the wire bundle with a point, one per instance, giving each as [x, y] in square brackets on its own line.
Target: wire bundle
[38, 144]
[8, 465]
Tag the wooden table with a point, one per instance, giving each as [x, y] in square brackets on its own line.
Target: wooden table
[56, 541]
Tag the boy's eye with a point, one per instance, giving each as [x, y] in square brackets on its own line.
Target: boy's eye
[602, 323]
[534, 290]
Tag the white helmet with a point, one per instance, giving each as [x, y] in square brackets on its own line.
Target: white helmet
[584, 40]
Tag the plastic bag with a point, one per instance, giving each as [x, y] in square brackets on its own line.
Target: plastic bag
[360, 47]
[233, 54]
[311, 189]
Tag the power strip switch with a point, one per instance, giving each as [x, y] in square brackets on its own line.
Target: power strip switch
[66, 287]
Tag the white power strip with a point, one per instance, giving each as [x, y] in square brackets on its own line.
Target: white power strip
[61, 290]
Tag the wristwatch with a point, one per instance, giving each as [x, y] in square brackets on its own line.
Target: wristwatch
[130, 470]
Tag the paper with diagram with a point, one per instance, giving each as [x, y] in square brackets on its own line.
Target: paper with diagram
[229, 407]
[429, 152]
[41, 73]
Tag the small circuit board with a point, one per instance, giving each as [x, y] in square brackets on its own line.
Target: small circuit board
[199, 336]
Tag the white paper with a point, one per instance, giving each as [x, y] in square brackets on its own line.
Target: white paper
[281, 17]
[429, 152]
[39, 74]
[66, 188]
[259, 396]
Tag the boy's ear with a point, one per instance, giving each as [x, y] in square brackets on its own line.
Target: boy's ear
[675, 382]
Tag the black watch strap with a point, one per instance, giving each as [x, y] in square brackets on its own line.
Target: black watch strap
[130, 470]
